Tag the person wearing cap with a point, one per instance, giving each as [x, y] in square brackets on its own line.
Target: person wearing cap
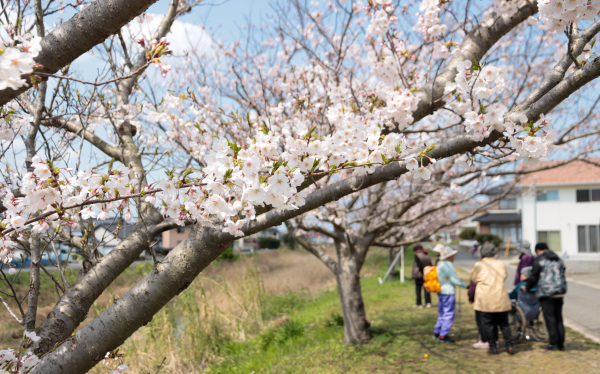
[525, 259]
[421, 260]
[491, 298]
[548, 275]
[447, 299]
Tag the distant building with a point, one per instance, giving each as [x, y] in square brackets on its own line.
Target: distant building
[566, 211]
[504, 217]
[107, 237]
[171, 238]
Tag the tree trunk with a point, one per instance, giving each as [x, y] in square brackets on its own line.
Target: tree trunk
[356, 326]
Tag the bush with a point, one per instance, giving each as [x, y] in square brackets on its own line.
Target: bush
[229, 255]
[290, 330]
[494, 239]
[468, 234]
[277, 305]
[269, 243]
[335, 320]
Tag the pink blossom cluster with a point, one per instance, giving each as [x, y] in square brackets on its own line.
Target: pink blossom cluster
[13, 124]
[556, 14]
[472, 86]
[429, 21]
[16, 58]
[507, 8]
[22, 361]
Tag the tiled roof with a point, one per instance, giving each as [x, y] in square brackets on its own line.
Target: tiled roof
[573, 172]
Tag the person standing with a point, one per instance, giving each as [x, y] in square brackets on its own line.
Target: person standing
[491, 298]
[525, 259]
[447, 299]
[421, 260]
[548, 273]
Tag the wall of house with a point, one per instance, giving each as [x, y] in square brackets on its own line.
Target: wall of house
[563, 215]
[171, 238]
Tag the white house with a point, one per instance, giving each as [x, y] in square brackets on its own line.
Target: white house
[565, 213]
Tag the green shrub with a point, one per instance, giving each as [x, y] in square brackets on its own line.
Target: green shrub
[269, 243]
[289, 240]
[468, 234]
[277, 305]
[494, 239]
[335, 320]
[229, 255]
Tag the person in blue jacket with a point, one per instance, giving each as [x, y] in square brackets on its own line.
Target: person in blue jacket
[447, 301]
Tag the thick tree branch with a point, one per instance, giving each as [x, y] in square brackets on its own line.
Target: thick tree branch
[89, 136]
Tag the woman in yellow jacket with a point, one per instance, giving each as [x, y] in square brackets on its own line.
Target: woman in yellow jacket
[491, 298]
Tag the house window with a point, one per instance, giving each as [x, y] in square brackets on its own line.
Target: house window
[180, 230]
[508, 204]
[588, 238]
[550, 195]
[552, 238]
[507, 230]
[588, 195]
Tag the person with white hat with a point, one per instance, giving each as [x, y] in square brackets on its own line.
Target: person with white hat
[447, 299]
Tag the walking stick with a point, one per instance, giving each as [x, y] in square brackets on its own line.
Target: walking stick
[459, 307]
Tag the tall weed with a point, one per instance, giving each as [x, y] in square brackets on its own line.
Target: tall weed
[197, 327]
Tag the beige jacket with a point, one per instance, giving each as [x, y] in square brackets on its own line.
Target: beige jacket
[490, 295]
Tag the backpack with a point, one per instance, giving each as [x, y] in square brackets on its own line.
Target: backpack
[552, 279]
[431, 281]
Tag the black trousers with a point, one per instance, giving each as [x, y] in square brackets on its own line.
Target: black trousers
[552, 309]
[489, 328]
[480, 329]
[418, 286]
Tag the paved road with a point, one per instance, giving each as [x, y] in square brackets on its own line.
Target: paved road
[582, 301]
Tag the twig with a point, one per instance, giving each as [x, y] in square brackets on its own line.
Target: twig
[98, 83]
[159, 366]
[13, 315]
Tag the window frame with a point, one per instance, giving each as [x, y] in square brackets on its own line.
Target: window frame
[547, 240]
[512, 199]
[548, 195]
[578, 193]
[586, 231]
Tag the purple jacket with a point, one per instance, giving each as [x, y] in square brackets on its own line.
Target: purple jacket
[526, 260]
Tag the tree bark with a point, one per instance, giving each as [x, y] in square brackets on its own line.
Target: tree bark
[357, 328]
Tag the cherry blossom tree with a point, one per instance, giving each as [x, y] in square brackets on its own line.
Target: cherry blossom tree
[331, 100]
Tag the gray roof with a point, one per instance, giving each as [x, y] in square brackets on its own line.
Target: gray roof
[499, 218]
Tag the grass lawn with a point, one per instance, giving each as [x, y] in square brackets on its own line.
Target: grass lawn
[308, 339]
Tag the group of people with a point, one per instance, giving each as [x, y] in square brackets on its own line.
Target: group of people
[540, 280]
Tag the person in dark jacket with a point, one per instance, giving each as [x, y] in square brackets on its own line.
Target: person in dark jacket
[548, 275]
[525, 259]
[421, 260]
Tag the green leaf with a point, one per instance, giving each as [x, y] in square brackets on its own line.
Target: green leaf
[315, 164]
[592, 43]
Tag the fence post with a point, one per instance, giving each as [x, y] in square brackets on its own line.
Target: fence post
[402, 264]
